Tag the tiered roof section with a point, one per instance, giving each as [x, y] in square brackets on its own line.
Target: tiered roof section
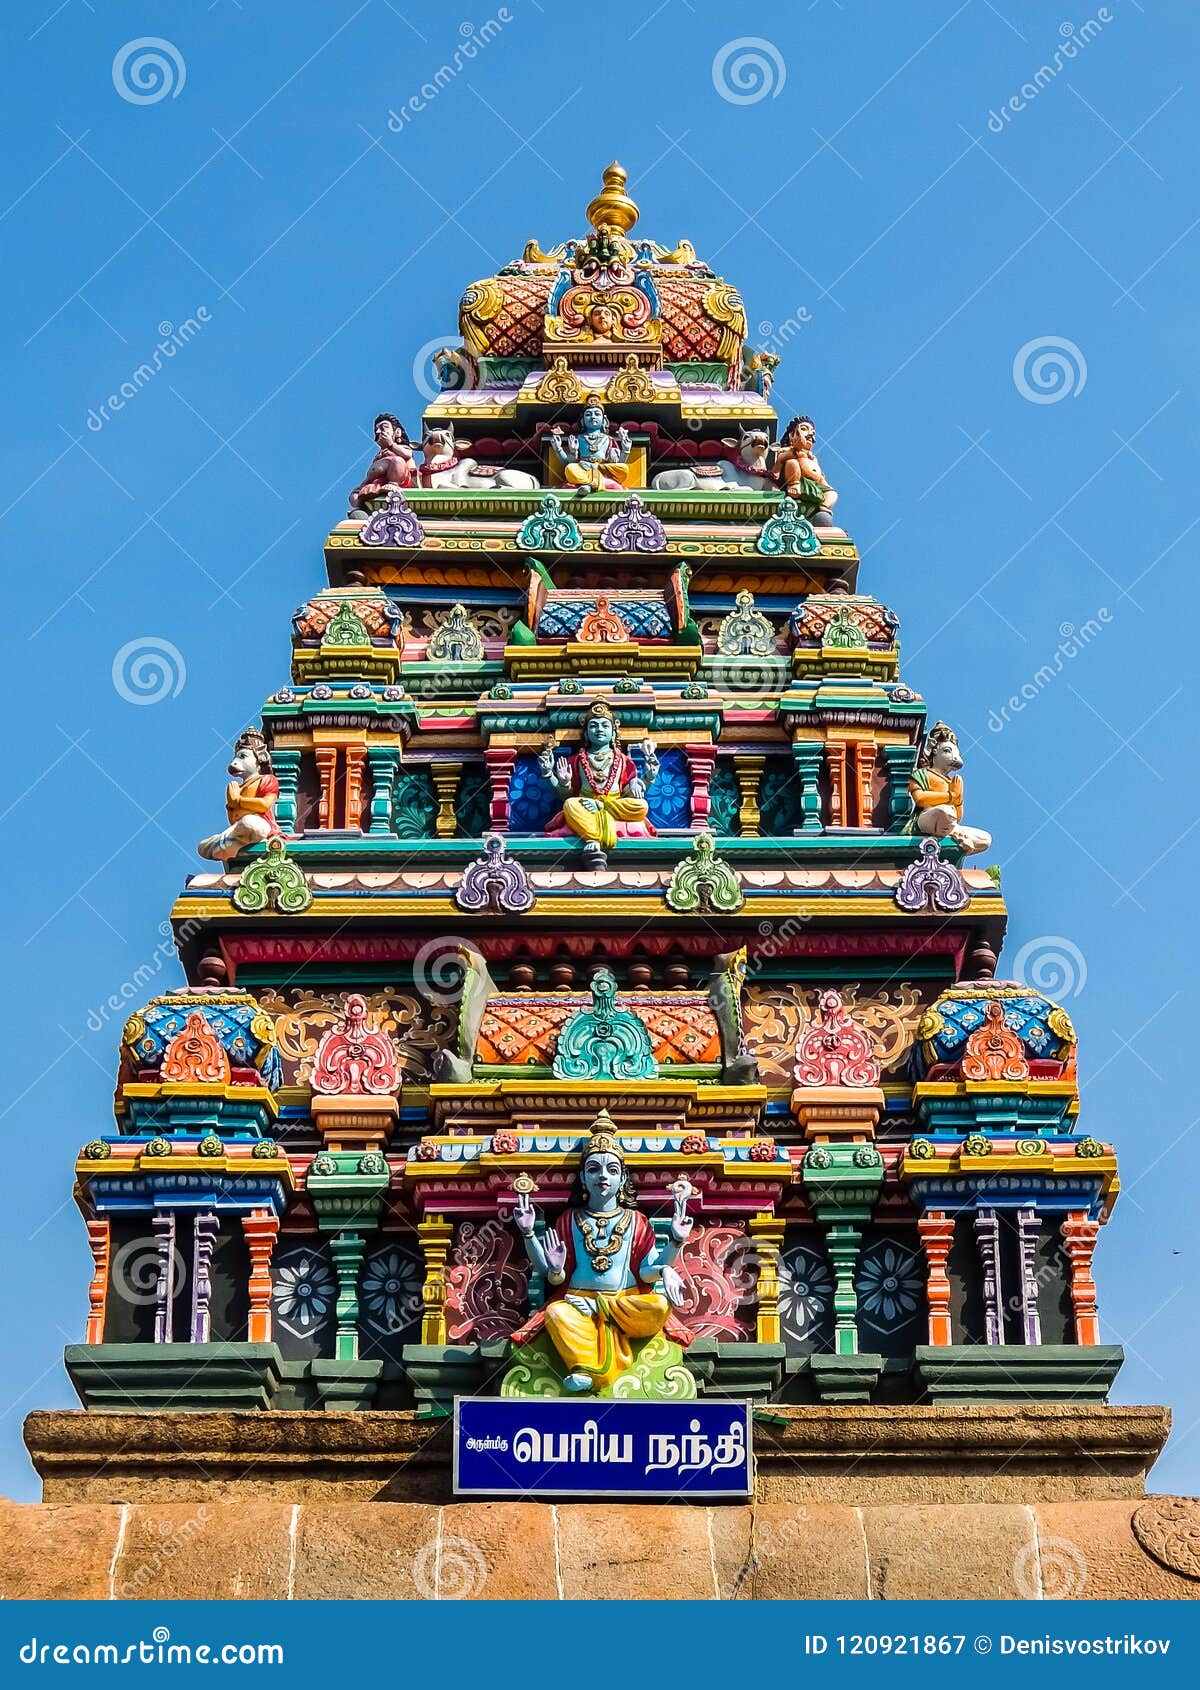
[596, 791]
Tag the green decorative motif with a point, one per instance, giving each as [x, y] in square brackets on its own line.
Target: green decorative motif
[346, 629]
[658, 1373]
[844, 632]
[549, 529]
[1030, 1147]
[745, 632]
[210, 1145]
[704, 881]
[372, 1163]
[273, 881]
[787, 534]
[455, 639]
[97, 1150]
[724, 800]
[921, 1149]
[975, 1144]
[604, 1042]
[266, 1150]
[414, 805]
[159, 1147]
[1089, 1149]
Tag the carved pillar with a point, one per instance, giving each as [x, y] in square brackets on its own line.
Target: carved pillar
[936, 1230]
[864, 770]
[99, 1233]
[899, 762]
[326, 758]
[842, 1181]
[1079, 1238]
[767, 1232]
[355, 758]
[383, 761]
[286, 765]
[749, 772]
[434, 1234]
[1028, 1226]
[446, 777]
[164, 1290]
[987, 1236]
[808, 755]
[835, 755]
[261, 1228]
[501, 761]
[204, 1235]
[347, 1248]
[702, 760]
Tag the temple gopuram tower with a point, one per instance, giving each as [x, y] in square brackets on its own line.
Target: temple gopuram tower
[593, 991]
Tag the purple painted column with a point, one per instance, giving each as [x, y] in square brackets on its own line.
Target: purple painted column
[205, 1229]
[164, 1290]
[1028, 1226]
[987, 1236]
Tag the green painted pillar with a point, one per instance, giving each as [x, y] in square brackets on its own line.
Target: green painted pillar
[842, 1182]
[346, 1188]
[899, 762]
[347, 1249]
[286, 767]
[384, 763]
[809, 755]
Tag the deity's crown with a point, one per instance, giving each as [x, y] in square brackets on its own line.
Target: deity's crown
[602, 1140]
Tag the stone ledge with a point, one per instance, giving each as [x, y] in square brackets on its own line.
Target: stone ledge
[577, 1551]
[858, 1455]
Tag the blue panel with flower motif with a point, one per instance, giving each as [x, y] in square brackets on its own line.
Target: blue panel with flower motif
[670, 798]
[890, 1284]
[805, 1294]
[303, 1299]
[532, 801]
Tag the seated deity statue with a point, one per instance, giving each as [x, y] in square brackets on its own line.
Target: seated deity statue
[609, 1279]
[596, 458]
[937, 791]
[799, 473]
[392, 465]
[604, 797]
[250, 801]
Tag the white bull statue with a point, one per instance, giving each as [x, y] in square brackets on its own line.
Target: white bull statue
[442, 466]
[749, 468]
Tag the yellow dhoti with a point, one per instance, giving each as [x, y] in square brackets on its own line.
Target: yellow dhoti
[598, 1344]
[595, 475]
[596, 818]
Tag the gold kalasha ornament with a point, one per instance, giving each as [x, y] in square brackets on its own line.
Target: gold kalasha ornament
[612, 207]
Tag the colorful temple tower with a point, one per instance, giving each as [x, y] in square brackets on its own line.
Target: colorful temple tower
[593, 990]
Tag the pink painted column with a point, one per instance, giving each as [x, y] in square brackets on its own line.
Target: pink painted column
[501, 761]
[702, 760]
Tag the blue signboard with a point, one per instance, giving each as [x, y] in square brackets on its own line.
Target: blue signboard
[570, 1446]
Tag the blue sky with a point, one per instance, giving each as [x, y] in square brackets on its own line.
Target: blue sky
[987, 307]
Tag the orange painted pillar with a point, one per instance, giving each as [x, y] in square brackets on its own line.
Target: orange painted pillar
[261, 1228]
[1079, 1237]
[937, 1234]
[100, 1241]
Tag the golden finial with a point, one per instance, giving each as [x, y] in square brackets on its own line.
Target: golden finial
[612, 207]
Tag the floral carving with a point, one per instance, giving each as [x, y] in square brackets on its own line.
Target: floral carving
[486, 1291]
[195, 1056]
[353, 1059]
[718, 1268]
[993, 1051]
[835, 1051]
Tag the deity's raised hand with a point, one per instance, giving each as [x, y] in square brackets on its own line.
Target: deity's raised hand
[556, 1252]
[523, 1213]
[681, 1221]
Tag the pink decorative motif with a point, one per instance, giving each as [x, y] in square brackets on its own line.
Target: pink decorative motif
[993, 1051]
[195, 1056]
[693, 1144]
[719, 1270]
[426, 1151]
[836, 1051]
[486, 1292]
[763, 1150]
[505, 1143]
[354, 1060]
